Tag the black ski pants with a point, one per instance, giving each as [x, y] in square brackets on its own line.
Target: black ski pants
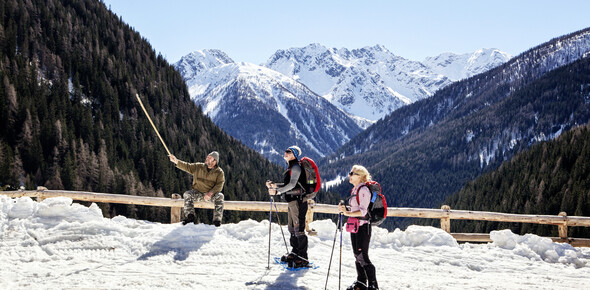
[360, 247]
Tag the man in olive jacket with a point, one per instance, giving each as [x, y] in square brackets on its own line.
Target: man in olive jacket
[208, 180]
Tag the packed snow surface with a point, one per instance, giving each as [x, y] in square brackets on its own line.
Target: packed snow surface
[57, 244]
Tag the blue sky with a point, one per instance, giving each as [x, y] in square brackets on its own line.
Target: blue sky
[252, 31]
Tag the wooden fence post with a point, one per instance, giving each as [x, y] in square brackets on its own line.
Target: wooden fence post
[562, 229]
[309, 218]
[40, 197]
[175, 211]
[445, 222]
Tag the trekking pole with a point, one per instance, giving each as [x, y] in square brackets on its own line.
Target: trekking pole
[331, 254]
[281, 227]
[340, 265]
[269, 230]
[146, 113]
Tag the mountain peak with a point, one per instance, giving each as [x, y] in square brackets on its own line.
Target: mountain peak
[371, 82]
[195, 62]
[268, 110]
[460, 66]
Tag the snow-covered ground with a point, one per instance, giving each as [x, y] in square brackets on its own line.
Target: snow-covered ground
[58, 244]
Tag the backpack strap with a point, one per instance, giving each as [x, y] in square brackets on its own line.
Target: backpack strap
[368, 215]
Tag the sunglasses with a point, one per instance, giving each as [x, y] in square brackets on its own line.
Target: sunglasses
[352, 173]
[288, 151]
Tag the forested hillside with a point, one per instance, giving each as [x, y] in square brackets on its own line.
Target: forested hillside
[550, 178]
[426, 165]
[69, 119]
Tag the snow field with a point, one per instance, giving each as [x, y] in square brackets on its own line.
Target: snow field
[58, 244]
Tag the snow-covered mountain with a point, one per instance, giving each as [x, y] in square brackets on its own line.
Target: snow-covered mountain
[459, 66]
[371, 82]
[315, 97]
[196, 62]
[267, 110]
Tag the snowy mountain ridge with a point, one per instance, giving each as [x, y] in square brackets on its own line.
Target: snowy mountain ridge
[268, 110]
[196, 62]
[460, 66]
[371, 82]
[354, 86]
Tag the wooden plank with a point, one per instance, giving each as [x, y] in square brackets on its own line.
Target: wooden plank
[575, 242]
[472, 237]
[144, 200]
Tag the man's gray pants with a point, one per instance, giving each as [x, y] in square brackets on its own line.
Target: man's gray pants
[193, 195]
[296, 226]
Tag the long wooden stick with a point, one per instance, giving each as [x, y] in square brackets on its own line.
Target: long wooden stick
[146, 113]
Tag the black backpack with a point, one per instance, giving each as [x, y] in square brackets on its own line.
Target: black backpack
[377, 211]
[312, 176]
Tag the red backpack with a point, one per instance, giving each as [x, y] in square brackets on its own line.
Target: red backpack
[377, 211]
[312, 176]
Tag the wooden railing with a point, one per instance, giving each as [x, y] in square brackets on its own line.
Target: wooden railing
[445, 214]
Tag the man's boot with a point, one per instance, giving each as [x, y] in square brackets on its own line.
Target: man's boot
[190, 218]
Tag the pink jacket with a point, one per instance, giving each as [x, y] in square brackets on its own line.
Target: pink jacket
[364, 196]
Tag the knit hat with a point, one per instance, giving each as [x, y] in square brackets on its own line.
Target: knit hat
[296, 151]
[215, 156]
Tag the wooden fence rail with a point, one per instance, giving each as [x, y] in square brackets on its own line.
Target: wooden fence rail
[445, 214]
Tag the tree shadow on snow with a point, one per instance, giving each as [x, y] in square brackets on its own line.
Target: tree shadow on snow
[182, 241]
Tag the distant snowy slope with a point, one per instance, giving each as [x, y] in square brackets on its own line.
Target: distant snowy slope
[196, 62]
[284, 103]
[371, 82]
[269, 111]
[459, 66]
[57, 244]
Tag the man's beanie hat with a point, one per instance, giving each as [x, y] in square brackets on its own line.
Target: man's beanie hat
[215, 156]
[296, 151]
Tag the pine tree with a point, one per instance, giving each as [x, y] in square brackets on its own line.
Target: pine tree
[54, 182]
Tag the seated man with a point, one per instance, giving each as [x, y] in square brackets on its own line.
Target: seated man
[208, 180]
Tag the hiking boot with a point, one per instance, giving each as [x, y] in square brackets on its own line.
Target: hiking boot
[373, 286]
[288, 258]
[357, 286]
[217, 223]
[190, 218]
[300, 263]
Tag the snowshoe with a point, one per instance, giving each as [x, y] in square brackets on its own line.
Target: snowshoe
[291, 265]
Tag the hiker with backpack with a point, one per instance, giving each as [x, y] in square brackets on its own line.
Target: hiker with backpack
[360, 227]
[208, 181]
[294, 191]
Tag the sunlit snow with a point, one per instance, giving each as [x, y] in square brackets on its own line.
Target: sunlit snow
[58, 244]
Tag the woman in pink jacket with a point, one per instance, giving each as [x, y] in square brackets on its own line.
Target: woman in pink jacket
[360, 228]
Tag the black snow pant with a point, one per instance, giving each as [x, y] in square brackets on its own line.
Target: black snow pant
[360, 247]
[296, 225]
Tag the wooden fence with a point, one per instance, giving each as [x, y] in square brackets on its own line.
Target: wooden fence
[445, 214]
